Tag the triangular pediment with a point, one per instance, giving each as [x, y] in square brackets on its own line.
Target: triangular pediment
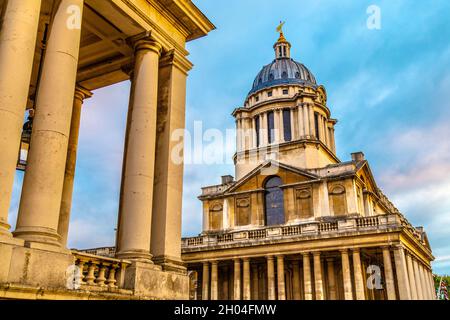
[364, 172]
[255, 179]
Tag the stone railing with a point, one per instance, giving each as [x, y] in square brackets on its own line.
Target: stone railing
[340, 225]
[100, 273]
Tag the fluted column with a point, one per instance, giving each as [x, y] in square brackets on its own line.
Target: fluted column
[136, 198]
[331, 279]
[264, 130]
[411, 277]
[237, 279]
[307, 276]
[389, 274]
[346, 274]
[402, 273]
[280, 276]
[359, 281]
[69, 175]
[205, 281]
[276, 126]
[44, 178]
[17, 46]
[420, 293]
[431, 281]
[214, 283]
[318, 281]
[169, 169]
[296, 280]
[424, 282]
[238, 135]
[271, 278]
[300, 122]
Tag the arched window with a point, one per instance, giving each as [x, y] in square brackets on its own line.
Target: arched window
[216, 216]
[243, 212]
[338, 201]
[271, 77]
[271, 126]
[287, 125]
[284, 75]
[274, 202]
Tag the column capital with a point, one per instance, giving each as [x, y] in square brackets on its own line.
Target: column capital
[270, 257]
[177, 59]
[147, 44]
[214, 262]
[206, 263]
[345, 251]
[358, 250]
[82, 93]
[305, 254]
[330, 260]
[246, 259]
[316, 253]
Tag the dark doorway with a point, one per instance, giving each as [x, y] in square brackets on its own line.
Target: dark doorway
[274, 203]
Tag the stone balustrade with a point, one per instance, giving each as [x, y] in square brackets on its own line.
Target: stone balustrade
[339, 225]
[99, 272]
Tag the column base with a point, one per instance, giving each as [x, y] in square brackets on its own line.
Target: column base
[170, 264]
[149, 280]
[136, 255]
[39, 235]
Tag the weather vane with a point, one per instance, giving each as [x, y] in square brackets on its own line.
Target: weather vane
[280, 27]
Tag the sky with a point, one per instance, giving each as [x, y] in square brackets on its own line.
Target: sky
[388, 87]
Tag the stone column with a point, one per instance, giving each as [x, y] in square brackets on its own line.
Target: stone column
[254, 133]
[300, 121]
[306, 122]
[17, 45]
[322, 129]
[346, 274]
[402, 274]
[423, 282]
[331, 279]
[238, 135]
[312, 124]
[420, 293]
[246, 288]
[432, 288]
[271, 278]
[281, 127]
[333, 141]
[264, 130]
[359, 281]
[255, 284]
[237, 279]
[169, 168]
[411, 277]
[318, 276]
[307, 276]
[136, 198]
[276, 126]
[69, 175]
[280, 277]
[205, 281]
[294, 134]
[214, 283]
[296, 280]
[44, 178]
[389, 274]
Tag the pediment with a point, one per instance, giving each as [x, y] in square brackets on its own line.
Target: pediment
[255, 180]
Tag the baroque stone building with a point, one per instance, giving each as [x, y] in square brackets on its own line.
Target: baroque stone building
[298, 223]
[53, 54]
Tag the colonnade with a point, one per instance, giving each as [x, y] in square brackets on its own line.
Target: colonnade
[147, 229]
[302, 123]
[319, 275]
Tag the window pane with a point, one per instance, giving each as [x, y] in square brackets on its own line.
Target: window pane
[287, 125]
[316, 121]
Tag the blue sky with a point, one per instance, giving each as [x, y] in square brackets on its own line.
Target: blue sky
[389, 88]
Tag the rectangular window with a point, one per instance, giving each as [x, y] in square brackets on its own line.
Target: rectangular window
[269, 94]
[285, 91]
[257, 98]
[316, 123]
[257, 130]
[271, 126]
[287, 125]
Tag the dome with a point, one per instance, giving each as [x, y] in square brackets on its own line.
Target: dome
[282, 70]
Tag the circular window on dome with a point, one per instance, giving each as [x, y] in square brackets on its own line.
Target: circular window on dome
[297, 75]
[260, 81]
[271, 77]
[284, 75]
